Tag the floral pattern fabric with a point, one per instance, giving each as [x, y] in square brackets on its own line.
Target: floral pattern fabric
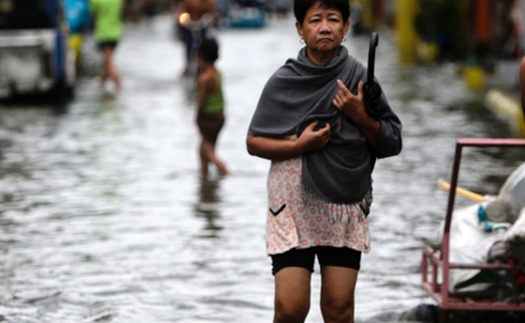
[300, 218]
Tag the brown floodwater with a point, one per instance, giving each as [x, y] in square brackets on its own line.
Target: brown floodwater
[104, 218]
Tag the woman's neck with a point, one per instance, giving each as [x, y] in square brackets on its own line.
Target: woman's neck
[321, 58]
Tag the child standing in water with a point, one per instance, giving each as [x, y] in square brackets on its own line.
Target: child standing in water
[210, 106]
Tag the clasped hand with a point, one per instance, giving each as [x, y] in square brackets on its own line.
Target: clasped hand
[313, 137]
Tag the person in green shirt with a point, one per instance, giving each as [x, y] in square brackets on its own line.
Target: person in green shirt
[108, 27]
[210, 106]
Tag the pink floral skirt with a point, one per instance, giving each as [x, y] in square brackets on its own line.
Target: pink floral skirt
[299, 218]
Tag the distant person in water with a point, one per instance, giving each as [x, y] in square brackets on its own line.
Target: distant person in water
[210, 106]
[188, 12]
[79, 19]
[108, 31]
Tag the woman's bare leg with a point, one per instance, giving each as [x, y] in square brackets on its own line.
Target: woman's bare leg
[337, 294]
[292, 295]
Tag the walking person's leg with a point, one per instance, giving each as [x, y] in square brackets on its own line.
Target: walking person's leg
[104, 74]
[339, 271]
[337, 294]
[208, 149]
[204, 158]
[209, 128]
[292, 271]
[111, 68]
[187, 40]
[292, 295]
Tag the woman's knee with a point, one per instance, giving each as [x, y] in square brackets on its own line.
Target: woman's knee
[292, 294]
[285, 312]
[338, 310]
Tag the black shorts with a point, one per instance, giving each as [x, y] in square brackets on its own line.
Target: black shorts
[327, 256]
[107, 44]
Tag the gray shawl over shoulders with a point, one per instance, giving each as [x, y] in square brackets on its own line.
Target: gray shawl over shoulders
[300, 92]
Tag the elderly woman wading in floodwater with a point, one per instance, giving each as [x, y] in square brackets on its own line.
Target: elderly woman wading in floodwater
[312, 124]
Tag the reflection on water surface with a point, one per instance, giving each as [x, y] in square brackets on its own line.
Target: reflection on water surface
[103, 216]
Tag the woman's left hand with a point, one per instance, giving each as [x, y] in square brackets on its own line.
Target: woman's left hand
[352, 105]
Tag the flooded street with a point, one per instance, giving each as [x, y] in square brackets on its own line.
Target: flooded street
[103, 217]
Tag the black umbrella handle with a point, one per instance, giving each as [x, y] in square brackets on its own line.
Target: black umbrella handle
[374, 41]
[372, 90]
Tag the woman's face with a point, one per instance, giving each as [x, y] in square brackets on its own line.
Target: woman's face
[323, 29]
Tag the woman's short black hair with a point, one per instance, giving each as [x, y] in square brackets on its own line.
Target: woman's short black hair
[300, 7]
[209, 50]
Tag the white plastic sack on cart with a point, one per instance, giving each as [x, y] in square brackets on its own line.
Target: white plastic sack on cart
[470, 243]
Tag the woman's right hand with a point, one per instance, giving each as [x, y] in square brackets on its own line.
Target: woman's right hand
[311, 139]
[314, 137]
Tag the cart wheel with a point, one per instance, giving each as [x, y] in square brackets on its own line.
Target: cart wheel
[427, 313]
[443, 315]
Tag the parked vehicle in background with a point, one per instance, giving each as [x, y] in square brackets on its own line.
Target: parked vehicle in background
[278, 8]
[35, 56]
[245, 13]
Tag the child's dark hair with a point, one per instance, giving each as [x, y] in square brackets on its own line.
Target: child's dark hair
[209, 50]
